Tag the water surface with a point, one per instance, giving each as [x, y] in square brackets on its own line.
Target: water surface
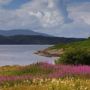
[22, 54]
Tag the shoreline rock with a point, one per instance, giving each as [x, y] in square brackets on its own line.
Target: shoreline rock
[50, 52]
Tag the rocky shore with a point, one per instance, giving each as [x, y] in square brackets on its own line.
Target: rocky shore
[50, 52]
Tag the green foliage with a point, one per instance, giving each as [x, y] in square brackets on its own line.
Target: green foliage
[78, 44]
[75, 56]
[34, 69]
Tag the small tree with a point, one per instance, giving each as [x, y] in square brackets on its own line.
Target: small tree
[75, 56]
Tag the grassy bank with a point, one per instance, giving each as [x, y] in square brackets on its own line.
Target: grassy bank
[59, 49]
[45, 76]
[79, 44]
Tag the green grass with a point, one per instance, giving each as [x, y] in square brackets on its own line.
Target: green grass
[79, 44]
[34, 69]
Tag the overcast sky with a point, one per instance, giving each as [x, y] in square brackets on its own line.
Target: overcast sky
[64, 18]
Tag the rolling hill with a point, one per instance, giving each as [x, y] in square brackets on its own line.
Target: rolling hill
[82, 44]
[31, 37]
[20, 32]
[60, 48]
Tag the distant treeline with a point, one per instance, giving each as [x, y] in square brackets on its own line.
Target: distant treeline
[35, 39]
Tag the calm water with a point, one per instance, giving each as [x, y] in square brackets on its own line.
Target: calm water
[22, 54]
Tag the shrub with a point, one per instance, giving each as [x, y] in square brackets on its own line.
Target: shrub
[75, 56]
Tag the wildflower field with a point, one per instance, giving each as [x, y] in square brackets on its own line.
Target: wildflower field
[44, 76]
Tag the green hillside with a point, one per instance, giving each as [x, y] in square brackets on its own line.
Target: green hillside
[79, 44]
[74, 53]
[59, 49]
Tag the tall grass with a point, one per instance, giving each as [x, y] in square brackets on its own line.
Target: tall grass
[44, 76]
[52, 84]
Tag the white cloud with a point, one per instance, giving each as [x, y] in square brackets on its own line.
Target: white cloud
[80, 13]
[48, 15]
[5, 1]
[50, 4]
[16, 19]
[31, 13]
[45, 16]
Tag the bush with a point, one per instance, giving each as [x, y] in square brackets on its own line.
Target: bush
[75, 56]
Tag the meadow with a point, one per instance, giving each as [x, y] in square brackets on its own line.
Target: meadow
[52, 84]
[79, 44]
[44, 76]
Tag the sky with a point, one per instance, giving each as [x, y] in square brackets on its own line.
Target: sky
[63, 18]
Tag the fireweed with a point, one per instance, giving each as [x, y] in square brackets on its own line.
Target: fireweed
[41, 71]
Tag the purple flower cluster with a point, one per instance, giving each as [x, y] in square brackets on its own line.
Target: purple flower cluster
[54, 71]
[66, 70]
[15, 78]
[70, 70]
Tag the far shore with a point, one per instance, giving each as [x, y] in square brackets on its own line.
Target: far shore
[50, 52]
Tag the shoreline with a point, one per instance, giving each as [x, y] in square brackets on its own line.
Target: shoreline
[50, 52]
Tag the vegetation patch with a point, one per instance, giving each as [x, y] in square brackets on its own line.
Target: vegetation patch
[75, 56]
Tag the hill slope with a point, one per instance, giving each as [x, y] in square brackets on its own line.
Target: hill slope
[34, 39]
[81, 44]
[20, 32]
[59, 49]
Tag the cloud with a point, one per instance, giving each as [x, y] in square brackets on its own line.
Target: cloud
[15, 4]
[80, 13]
[75, 29]
[62, 7]
[47, 15]
[16, 19]
[5, 1]
[56, 17]
[40, 10]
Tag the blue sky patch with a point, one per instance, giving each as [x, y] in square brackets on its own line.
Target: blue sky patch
[15, 4]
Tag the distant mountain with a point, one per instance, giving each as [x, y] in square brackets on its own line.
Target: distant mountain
[35, 39]
[31, 37]
[20, 32]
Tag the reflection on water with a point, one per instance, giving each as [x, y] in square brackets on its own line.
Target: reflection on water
[22, 54]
